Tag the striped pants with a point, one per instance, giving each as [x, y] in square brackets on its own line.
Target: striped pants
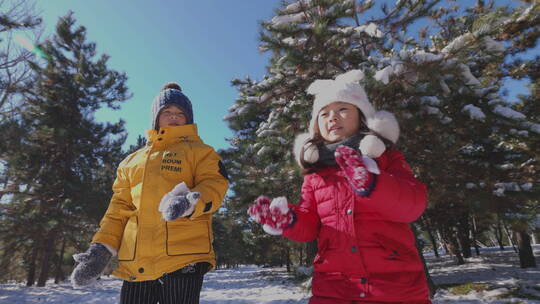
[180, 287]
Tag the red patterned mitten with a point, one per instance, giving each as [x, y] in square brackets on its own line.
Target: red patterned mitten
[260, 211]
[356, 172]
[274, 216]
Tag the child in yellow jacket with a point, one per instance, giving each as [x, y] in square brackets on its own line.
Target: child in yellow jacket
[159, 221]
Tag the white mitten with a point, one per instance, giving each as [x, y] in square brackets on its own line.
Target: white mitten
[180, 202]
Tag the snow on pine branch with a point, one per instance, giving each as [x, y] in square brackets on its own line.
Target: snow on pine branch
[294, 42]
[371, 29]
[526, 13]
[531, 126]
[293, 7]
[508, 113]
[466, 73]
[384, 74]
[493, 46]
[288, 19]
[519, 132]
[432, 100]
[468, 39]
[474, 112]
[485, 30]
[501, 188]
[396, 66]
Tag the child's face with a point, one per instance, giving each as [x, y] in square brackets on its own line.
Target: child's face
[171, 116]
[338, 121]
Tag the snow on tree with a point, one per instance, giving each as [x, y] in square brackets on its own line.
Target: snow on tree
[445, 83]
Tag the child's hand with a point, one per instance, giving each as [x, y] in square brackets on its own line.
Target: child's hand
[91, 265]
[274, 216]
[180, 202]
[356, 172]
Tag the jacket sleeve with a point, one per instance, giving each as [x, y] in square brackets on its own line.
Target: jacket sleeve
[307, 223]
[119, 211]
[398, 196]
[210, 181]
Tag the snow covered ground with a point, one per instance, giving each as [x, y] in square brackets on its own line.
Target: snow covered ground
[247, 284]
[495, 277]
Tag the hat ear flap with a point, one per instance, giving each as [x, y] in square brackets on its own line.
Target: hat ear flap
[304, 150]
[310, 153]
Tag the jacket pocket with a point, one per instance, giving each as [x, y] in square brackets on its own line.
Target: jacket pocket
[319, 257]
[128, 246]
[188, 237]
[395, 249]
[391, 256]
[407, 287]
[335, 285]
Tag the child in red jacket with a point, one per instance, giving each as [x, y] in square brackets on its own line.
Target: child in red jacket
[358, 199]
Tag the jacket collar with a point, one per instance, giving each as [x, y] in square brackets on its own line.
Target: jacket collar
[169, 135]
[329, 170]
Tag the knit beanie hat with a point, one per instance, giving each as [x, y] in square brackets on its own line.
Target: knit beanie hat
[345, 88]
[171, 94]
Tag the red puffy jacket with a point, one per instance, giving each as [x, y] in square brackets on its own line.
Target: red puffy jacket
[366, 248]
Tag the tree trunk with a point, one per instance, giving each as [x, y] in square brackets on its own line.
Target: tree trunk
[4, 182]
[431, 285]
[288, 258]
[526, 256]
[444, 243]
[434, 243]
[429, 231]
[46, 254]
[510, 239]
[473, 236]
[59, 277]
[463, 232]
[492, 239]
[499, 235]
[301, 258]
[476, 247]
[311, 252]
[31, 273]
[453, 246]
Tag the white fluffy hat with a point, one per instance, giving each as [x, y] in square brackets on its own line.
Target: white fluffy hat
[345, 88]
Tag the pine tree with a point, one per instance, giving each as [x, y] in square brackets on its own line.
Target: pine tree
[442, 82]
[523, 35]
[63, 160]
[309, 40]
[230, 243]
[15, 17]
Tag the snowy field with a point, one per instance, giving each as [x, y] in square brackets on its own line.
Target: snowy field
[494, 277]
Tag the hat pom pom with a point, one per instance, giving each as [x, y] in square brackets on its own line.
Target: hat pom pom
[171, 85]
[372, 146]
[318, 86]
[352, 76]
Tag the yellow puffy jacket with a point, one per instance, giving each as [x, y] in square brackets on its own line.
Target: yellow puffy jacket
[148, 246]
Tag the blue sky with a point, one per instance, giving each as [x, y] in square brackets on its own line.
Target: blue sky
[201, 44]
